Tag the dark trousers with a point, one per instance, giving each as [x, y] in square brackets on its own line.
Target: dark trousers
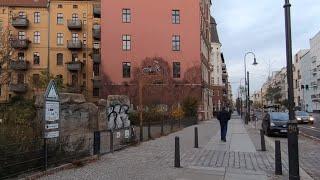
[224, 128]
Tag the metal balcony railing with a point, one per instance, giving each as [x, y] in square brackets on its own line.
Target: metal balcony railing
[96, 32]
[20, 22]
[74, 44]
[18, 87]
[96, 11]
[19, 65]
[74, 66]
[74, 24]
[20, 43]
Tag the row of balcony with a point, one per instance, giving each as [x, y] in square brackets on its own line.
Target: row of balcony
[24, 44]
[20, 88]
[23, 22]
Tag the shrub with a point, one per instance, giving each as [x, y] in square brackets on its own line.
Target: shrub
[190, 107]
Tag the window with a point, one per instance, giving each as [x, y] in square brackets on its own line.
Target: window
[176, 69]
[84, 14]
[126, 69]
[74, 57]
[95, 92]
[60, 6]
[96, 45]
[176, 43]
[59, 38]
[126, 15]
[126, 42]
[36, 17]
[175, 16]
[35, 80]
[96, 69]
[36, 58]
[75, 17]
[75, 6]
[21, 35]
[36, 37]
[59, 18]
[20, 56]
[60, 59]
[22, 14]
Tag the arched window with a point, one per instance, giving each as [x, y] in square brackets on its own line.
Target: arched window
[60, 59]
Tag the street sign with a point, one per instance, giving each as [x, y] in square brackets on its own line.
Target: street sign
[51, 93]
[52, 111]
[51, 126]
[51, 134]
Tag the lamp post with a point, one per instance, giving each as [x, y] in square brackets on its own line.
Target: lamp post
[293, 151]
[247, 118]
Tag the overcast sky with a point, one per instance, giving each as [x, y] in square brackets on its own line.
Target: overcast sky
[258, 25]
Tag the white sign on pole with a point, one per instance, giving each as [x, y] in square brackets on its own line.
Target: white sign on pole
[51, 134]
[52, 126]
[126, 134]
[118, 134]
[52, 111]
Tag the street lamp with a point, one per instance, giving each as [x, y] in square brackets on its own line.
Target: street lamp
[293, 150]
[247, 118]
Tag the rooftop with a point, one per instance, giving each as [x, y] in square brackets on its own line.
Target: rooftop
[24, 3]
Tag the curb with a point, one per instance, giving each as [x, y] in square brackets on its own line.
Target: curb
[83, 162]
[303, 174]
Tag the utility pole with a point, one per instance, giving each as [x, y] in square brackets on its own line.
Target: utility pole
[293, 150]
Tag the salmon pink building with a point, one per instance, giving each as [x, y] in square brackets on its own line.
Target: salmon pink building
[169, 36]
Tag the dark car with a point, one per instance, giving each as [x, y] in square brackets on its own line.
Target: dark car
[304, 117]
[275, 123]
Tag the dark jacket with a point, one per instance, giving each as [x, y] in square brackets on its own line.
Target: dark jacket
[224, 116]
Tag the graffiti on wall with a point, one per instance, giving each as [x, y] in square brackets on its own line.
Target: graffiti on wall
[118, 112]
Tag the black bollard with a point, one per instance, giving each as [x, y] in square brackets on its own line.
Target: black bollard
[263, 143]
[196, 145]
[149, 129]
[278, 163]
[162, 124]
[177, 152]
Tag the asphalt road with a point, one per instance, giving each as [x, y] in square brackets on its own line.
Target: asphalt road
[312, 130]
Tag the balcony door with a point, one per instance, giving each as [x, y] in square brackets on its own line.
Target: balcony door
[20, 78]
[75, 17]
[75, 37]
[21, 35]
[74, 80]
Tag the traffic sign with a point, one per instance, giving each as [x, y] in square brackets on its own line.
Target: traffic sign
[51, 134]
[51, 126]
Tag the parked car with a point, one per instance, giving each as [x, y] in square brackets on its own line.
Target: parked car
[304, 117]
[275, 123]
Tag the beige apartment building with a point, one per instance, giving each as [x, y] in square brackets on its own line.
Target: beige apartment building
[27, 23]
[75, 45]
[57, 37]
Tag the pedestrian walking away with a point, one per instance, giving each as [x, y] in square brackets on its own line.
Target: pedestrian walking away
[223, 117]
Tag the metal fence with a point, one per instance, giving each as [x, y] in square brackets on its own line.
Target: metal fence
[18, 159]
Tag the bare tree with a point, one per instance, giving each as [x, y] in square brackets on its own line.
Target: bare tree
[6, 55]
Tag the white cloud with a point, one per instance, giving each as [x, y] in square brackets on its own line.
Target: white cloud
[251, 25]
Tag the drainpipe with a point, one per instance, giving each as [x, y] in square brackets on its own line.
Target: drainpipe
[49, 29]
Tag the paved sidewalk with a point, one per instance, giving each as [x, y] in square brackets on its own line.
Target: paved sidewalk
[236, 159]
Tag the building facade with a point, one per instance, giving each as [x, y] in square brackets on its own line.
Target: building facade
[52, 39]
[315, 83]
[176, 33]
[306, 90]
[27, 26]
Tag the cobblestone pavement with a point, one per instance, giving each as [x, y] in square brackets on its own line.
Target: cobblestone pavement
[153, 160]
[309, 151]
